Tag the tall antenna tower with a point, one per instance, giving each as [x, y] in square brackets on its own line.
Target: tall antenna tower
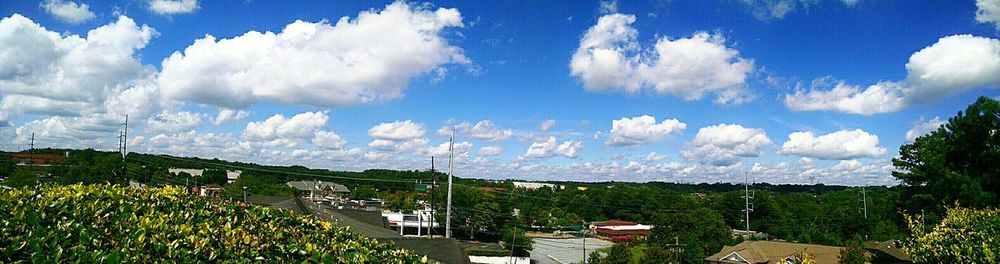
[747, 206]
[451, 170]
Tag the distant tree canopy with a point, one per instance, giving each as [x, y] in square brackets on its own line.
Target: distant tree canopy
[213, 176]
[957, 163]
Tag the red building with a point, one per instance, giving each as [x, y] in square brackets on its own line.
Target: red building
[36, 159]
[618, 230]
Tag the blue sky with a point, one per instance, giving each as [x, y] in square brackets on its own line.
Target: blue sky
[790, 91]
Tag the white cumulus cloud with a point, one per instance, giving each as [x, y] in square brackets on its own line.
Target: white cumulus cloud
[839, 145]
[173, 7]
[952, 65]
[228, 115]
[726, 144]
[610, 58]
[549, 148]
[68, 11]
[397, 131]
[544, 126]
[173, 121]
[328, 140]
[490, 151]
[277, 127]
[923, 127]
[641, 130]
[353, 61]
[988, 12]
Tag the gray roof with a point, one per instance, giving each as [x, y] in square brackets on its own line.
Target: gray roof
[318, 185]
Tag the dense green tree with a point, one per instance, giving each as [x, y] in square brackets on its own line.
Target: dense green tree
[7, 165]
[514, 237]
[22, 177]
[854, 253]
[214, 176]
[618, 254]
[702, 230]
[364, 192]
[258, 183]
[957, 163]
[400, 201]
[659, 255]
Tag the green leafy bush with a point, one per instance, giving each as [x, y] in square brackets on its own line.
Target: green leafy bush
[964, 236]
[112, 224]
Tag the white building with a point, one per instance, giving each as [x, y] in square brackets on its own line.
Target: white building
[536, 185]
[231, 175]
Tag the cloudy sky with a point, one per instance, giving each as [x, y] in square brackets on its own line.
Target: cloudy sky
[790, 91]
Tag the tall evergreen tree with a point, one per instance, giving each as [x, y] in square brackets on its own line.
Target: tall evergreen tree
[957, 163]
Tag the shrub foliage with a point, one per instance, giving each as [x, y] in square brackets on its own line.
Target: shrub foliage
[112, 224]
[964, 236]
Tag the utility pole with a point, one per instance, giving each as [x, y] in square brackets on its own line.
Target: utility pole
[677, 248]
[864, 201]
[124, 149]
[451, 170]
[583, 233]
[31, 150]
[513, 243]
[747, 206]
[430, 227]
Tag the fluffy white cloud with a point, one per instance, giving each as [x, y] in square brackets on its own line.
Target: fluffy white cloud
[80, 87]
[653, 156]
[777, 9]
[67, 69]
[484, 130]
[397, 131]
[173, 122]
[278, 127]
[173, 7]
[228, 115]
[641, 130]
[952, 65]
[544, 126]
[68, 11]
[370, 58]
[461, 148]
[725, 144]
[923, 127]
[988, 12]
[839, 145]
[490, 151]
[328, 140]
[549, 148]
[610, 58]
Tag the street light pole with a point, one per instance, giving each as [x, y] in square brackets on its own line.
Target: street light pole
[244, 194]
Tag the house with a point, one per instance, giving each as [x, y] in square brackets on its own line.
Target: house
[769, 252]
[887, 252]
[536, 185]
[319, 189]
[192, 172]
[618, 230]
[36, 159]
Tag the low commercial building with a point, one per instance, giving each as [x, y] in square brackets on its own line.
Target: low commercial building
[320, 189]
[769, 252]
[536, 185]
[618, 230]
